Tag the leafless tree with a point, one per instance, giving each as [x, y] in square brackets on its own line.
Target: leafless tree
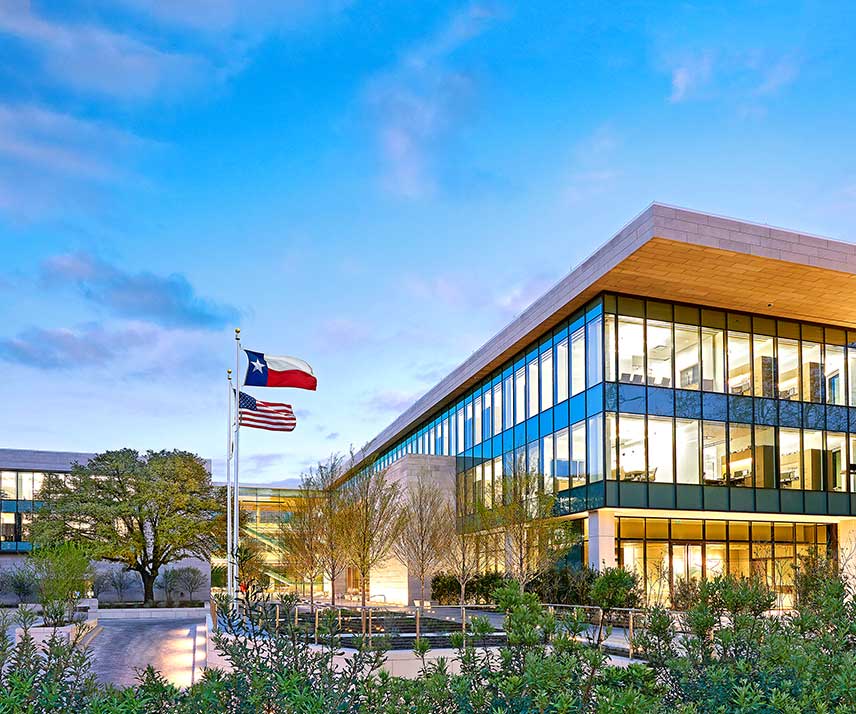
[299, 536]
[423, 533]
[373, 524]
[122, 580]
[332, 529]
[460, 551]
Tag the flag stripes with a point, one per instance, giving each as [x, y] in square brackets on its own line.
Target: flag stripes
[271, 416]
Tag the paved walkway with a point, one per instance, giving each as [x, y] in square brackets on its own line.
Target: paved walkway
[176, 648]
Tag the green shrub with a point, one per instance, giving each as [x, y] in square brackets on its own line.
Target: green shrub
[62, 573]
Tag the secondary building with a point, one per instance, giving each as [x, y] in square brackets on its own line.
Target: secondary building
[688, 393]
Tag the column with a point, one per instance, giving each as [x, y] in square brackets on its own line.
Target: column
[601, 539]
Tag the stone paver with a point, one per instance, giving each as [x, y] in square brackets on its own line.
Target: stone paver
[173, 647]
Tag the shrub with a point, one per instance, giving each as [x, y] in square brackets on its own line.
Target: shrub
[565, 585]
[62, 571]
[21, 580]
[445, 588]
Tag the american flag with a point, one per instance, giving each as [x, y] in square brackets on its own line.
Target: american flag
[265, 415]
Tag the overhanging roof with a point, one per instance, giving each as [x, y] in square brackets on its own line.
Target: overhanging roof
[672, 254]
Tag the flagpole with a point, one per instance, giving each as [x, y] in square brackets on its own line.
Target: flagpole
[235, 508]
[229, 483]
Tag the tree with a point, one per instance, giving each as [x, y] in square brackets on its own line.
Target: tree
[168, 582]
[373, 524]
[144, 511]
[190, 579]
[248, 561]
[62, 571]
[21, 580]
[460, 553]
[122, 581]
[333, 528]
[299, 536]
[423, 535]
[525, 519]
[100, 583]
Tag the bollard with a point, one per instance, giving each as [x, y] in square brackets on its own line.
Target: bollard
[418, 622]
[370, 627]
[317, 612]
[630, 636]
[295, 615]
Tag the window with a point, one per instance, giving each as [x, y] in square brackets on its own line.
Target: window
[594, 351]
[562, 371]
[477, 423]
[852, 467]
[790, 466]
[836, 461]
[631, 448]
[611, 447]
[764, 366]
[631, 350]
[660, 449]
[712, 358]
[686, 441]
[834, 374]
[578, 361]
[609, 348]
[740, 454]
[546, 380]
[487, 418]
[813, 459]
[548, 462]
[508, 401]
[461, 446]
[714, 467]
[578, 454]
[851, 367]
[812, 372]
[532, 382]
[765, 456]
[687, 366]
[739, 373]
[659, 336]
[8, 485]
[519, 396]
[595, 447]
[789, 369]
[562, 461]
[468, 426]
[497, 409]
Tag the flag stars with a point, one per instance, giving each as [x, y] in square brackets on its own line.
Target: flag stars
[258, 366]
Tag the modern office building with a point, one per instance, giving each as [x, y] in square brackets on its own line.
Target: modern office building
[688, 393]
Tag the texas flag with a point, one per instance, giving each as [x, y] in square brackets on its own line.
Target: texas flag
[269, 371]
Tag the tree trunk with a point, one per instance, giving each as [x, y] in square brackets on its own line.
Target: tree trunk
[148, 586]
[312, 595]
[363, 600]
[333, 591]
[463, 610]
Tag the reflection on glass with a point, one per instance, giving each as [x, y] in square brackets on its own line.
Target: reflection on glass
[764, 366]
[609, 346]
[686, 441]
[687, 367]
[740, 454]
[477, 424]
[789, 369]
[508, 401]
[595, 449]
[765, 456]
[812, 372]
[739, 374]
[562, 371]
[611, 447]
[562, 461]
[851, 371]
[836, 460]
[578, 454]
[659, 336]
[8, 484]
[532, 382]
[631, 447]
[834, 374]
[519, 396]
[713, 453]
[790, 467]
[546, 380]
[631, 350]
[497, 409]
[813, 459]
[594, 352]
[660, 450]
[578, 361]
[712, 359]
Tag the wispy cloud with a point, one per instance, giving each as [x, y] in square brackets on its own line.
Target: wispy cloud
[594, 166]
[420, 101]
[169, 301]
[390, 401]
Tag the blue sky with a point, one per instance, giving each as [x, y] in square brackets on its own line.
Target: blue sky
[376, 187]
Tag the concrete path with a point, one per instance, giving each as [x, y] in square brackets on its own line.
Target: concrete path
[176, 648]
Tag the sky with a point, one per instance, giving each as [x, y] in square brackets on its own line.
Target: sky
[375, 187]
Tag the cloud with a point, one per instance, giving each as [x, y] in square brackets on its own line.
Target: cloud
[343, 333]
[169, 301]
[692, 73]
[594, 169]
[67, 348]
[419, 103]
[390, 401]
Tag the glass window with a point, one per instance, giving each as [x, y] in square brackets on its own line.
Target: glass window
[659, 337]
[713, 453]
[834, 374]
[851, 367]
[631, 350]
[595, 446]
[687, 365]
[520, 396]
[546, 380]
[631, 448]
[740, 454]
[497, 481]
[578, 454]
[38, 481]
[611, 450]
[508, 401]
[497, 409]
[836, 461]
[487, 415]
[789, 369]
[562, 468]
[461, 445]
[477, 424]
[562, 371]
[686, 441]
[594, 351]
[790, 463]
[712, 359]
[739, 373]
[609, 348]
[547, 463]
[765, 456]
[660, 450]
[813, 459]
[812, 372]
[578, 361]
[8, 485]
[532, 382]
[468, 428]
[764, 366]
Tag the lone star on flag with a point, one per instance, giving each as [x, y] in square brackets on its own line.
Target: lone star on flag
[257, 365]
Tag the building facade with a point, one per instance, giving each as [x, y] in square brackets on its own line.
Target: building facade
[688, 393]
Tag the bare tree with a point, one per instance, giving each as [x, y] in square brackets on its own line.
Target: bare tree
[373, 524]
[423, 532]
[191, 579]
[122, 580]
[299, 536]
[525, 520]
[332, 529]
[460, 551]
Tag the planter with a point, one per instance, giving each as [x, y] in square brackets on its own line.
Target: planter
[153, 613]
[42, 634]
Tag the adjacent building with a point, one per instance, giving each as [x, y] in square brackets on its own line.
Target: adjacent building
[688, 394]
